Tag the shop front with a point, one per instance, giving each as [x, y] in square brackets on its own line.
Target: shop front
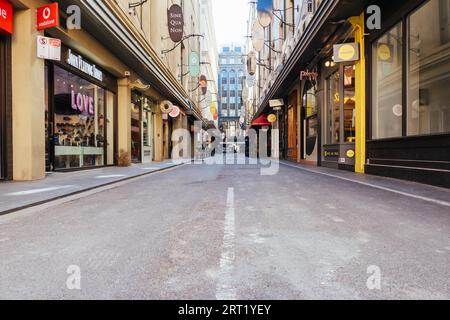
[5, 106]
[310, 117]
[6, 29]
[80, 114]
[292, 126]
[142, 119]
[408, 116]
[338, 115]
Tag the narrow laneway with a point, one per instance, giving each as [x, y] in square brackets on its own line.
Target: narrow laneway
[227, 232]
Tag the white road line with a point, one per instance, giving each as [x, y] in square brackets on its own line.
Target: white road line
[225, 289]
[435, 201]
[34, 191]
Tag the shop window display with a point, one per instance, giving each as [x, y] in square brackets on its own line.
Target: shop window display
[79, 121]
[349, 104]
[387, 108]
[429, 69]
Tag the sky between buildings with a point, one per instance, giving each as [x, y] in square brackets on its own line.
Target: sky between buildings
[230, 18]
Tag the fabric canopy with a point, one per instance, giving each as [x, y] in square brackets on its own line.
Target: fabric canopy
[261, 121]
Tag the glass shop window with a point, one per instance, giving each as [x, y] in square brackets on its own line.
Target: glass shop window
[429, 69]
[387, 109]
[349, 104]
[333, 113]
[310, 103]
[80, 121]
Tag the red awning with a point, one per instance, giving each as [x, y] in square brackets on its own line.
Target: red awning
[261, 121]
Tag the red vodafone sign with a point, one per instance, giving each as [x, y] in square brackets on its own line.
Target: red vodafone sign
[47, 16]
[6, 17]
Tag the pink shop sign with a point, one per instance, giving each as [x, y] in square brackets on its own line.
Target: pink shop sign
[83, 103]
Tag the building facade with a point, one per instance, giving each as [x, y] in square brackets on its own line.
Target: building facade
[98, 103]
[231, 84]
[358, 97]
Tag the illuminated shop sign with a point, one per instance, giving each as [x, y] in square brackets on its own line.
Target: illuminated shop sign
[47, 16]
[6, 17]
[79, 63]
[309, 75]
[83, 103]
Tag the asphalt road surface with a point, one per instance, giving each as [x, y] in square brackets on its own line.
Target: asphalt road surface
[227, 232]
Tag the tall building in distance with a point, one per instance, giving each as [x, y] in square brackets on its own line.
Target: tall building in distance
[231, 81]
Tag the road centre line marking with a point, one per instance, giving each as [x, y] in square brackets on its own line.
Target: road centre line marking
[225, 289]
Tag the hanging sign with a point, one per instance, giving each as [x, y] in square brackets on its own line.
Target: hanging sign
[175, 23]
[265, 8]
[175, 112]
[47, 16]
[271, 118]
[194, 64]
[203, 84]
[251, 63]
[6, 17]
[48, 48]
[166, 106]
[213, 108]
[309, 75]
[346, 52]
[257, 37]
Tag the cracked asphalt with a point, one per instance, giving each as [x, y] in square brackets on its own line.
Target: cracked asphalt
[182, 234]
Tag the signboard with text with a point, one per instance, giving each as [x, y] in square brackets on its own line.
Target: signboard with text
[175, 23]
[47, 16]
[346, 52]
[48, 48]
[6, 17]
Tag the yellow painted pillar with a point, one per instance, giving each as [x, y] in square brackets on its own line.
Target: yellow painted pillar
[360, 73]
[28, 100]
[124, 121]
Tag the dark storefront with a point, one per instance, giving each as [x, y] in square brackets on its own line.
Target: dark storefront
[80, 114]
[339, 134]
[5, 108]
[408, 105]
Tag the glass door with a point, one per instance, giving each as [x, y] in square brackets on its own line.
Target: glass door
[136, 128]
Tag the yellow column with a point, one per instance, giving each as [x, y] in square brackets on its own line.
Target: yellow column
[28, 100]
[124, 121]
[360, 73]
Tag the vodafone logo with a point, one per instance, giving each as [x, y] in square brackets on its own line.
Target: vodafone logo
[46, 13]
[48, 16]
[6, 17]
